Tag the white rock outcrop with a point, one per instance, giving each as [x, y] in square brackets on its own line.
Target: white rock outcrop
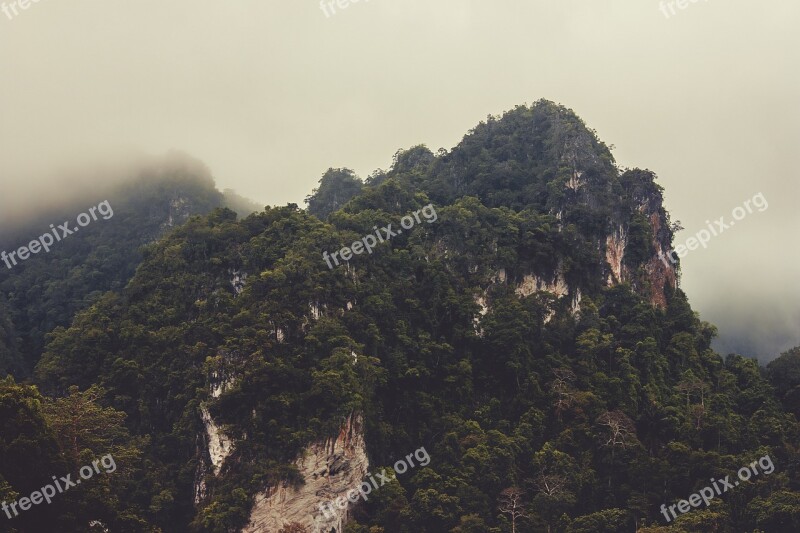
[238, 279]
[219, 444]
[615, 251]
[476, 321]
[575, 180]
[330, 469]
[532, 283]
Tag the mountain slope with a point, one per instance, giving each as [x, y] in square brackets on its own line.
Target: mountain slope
[47, 289]
[523, 332]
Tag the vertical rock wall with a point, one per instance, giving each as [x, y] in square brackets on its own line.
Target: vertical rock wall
[330, 469]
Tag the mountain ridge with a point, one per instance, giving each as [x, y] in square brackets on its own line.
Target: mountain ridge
[509, 338]
[49, 288]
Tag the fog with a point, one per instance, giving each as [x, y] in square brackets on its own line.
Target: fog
[270, 94]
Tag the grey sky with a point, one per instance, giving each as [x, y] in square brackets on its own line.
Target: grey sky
[271, 93]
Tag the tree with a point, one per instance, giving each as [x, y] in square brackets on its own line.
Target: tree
[563, 390]
[336, 187]
[87, 431]
[471, 523]
[510, 503]
[778, 512]
[605, 521]
[620, 433]
[82, 423]
[554, 483]
[72, 432]
[29, 452]
[784, 373]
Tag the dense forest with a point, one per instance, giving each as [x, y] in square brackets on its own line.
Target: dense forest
[528, 337]
[47, 290]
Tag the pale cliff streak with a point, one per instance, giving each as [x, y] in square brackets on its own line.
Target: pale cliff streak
[329, 469]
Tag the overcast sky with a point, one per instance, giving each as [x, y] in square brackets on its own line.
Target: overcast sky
[271, 93]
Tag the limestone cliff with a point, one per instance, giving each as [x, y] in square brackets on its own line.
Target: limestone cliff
[329, 469]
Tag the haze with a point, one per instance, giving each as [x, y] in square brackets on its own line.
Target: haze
[270, 94]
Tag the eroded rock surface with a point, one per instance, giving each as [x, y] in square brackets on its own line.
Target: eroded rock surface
[330, 469]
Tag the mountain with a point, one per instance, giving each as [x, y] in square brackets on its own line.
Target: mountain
[47, 289]
[512, 347]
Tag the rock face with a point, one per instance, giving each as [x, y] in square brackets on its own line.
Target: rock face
[660, 273]
[179, 212]
[476, 321]
[330, 469]
[238, 280]
[532, 283]
[615, 251]
[219, 445]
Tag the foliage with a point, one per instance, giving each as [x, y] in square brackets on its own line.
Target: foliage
[42, 439]
[46, 290]
[465, 334]
[336, 187]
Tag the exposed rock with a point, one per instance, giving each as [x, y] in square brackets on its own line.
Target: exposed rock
[179, 212]
[219, 444]
[532, 283]
[575, 180]
[330, 469]
[218, 385]
[659, 273]
[615, 252]
[238, 279]
[200, 489]
[481, 300]
[216, 442]
[476, 321]
[575, 306]
[98, 524]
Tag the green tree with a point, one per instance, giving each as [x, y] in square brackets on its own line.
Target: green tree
[605, 521]
[336, 187]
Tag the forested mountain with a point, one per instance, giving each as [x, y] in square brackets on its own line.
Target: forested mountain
[522, 331]
[47, 289]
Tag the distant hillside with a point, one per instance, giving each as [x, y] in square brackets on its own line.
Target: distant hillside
[47, 289]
